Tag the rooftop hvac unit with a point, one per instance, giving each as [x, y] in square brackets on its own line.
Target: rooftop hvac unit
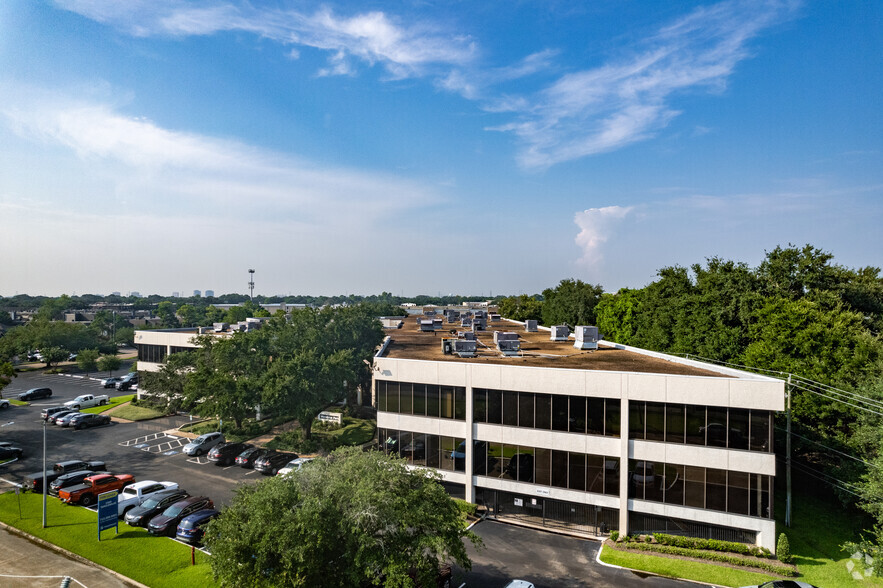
[505, 336]
[465, 348]
[466, 321]
[494, 317]
[587, 338]
[479, 324]
[530, 325]
[447, 346]
[481, 314]
[453, 316]
[468, 313]
[220, 327]
[426, 325]
[468, 335]
[560, 333]
[429, 311]
[437, 322]
[509, 346]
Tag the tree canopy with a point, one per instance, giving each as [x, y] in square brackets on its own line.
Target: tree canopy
[354, 519]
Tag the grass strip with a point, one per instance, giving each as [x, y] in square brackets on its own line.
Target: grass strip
[155, 561]
[16, 402]
[715, 556]
[136, 413]
[114, 402]
[679, 568]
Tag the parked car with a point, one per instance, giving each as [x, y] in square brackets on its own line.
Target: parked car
[10, 452]
[133, 495]
[48, 412]
[225, 453]
[65, 421]
[294, 466]
[190, 528]
[269, 464]
[68, 480]
[4, 403]
[203, 443]
[35, 394]
[87, 401]
[644, 474]
[110, 382]
[157, 502]
[127, 381]
[519, 584]
[34, 481]
[53, 418]
[86, 419]
[247, 458]
[167, 522]
[93, 486]
[781, 584]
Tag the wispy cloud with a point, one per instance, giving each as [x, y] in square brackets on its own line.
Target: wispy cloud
[611, 106]
[369, 37]
[596, 226]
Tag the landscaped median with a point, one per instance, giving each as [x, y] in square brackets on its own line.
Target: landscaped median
[134, 553]
[113, 403]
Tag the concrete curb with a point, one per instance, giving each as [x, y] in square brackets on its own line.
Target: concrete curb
[598, 559]
[70, 555]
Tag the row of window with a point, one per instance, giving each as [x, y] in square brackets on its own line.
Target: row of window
[733, 492]
[714, 426]
[556, 412]
[446, 402]
[151, 353]
[548, 467]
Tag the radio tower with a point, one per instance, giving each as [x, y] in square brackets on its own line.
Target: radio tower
[251, 283]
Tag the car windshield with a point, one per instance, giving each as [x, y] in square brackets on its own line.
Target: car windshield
[174, 510]
[151, 502]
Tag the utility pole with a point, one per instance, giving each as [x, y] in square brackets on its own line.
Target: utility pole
[45, 487]
[251, 283]
[788, 454]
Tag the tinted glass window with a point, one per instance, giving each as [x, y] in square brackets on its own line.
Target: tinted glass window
[510, 408]
[738, 428]
[655, 421]
[577, 471]
[611, 422]
[525, 459]
[611, 476]
[694, 487]
[543, 466]
[479, 405]
[495, 460]
[696, 425]
[760, 430]
[420, 399]
[525, 409]
[595, 416]
[559, 413]
[432, 451]
[673, 484]
[737, 492]
[406, 398]
[460, 403]
[716, 427]
[510, 465]
[715, 489]
[636, 419]
[432, 400]
[495, 407]
[577, 414]
[559, 469]
[595, 474]
[392, 396]
[543, 411]
[674, 423]
[447, 402]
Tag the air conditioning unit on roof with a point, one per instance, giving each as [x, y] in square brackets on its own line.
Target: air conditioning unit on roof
[465, 348]
[509, 346]
[587, 337]
[530, 325]
[560, 333]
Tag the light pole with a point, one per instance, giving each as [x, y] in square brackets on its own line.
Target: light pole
[251, 283]
[44, 474]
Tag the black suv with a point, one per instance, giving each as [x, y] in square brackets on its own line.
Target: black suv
[71, 479]
[225, 453]
[167, 522]
[128, 381]
[35, 394]
[140, 515]
[270, 463]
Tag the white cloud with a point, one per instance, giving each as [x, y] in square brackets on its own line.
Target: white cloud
[596, 225]
[602, 109]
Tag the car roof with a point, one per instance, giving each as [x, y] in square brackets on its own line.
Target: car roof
[200, 515]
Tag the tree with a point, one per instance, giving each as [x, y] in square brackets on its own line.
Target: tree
[7, 372]
[109, 363]
[521, 308]
[166, 313]
[55, 355]
[615, 315]
[354, 519]
[87, 360]
[572, 302]
[190, 315]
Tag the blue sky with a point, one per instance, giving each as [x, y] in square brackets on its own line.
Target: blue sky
[430, 147]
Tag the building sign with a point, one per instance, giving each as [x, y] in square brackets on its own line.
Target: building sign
[543, 491]
[518, 502]
[108, 512]
[330, 417]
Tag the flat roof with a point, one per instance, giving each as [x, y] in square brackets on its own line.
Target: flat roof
[537, 350]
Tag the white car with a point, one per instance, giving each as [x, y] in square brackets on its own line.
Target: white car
[203, 443]
[133, 494]
[294, 465]
[519, 584]
[4, 403]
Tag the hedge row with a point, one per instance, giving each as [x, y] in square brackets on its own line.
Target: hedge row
[712, 544]
[715, 556]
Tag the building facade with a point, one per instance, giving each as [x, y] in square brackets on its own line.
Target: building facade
[587, 442]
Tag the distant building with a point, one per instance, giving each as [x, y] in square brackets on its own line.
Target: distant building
[197, 293]
[114, 293]
[176, 294]
[135, 293]
[209, 293]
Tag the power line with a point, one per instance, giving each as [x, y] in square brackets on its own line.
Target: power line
[867, 463]
[799, 387]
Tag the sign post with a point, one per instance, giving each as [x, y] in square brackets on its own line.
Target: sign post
[107, 512]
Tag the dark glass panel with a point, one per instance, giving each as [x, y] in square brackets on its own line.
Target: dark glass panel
[654, 473]
[460, 455]
[674, 423]
[695, 425]
[448, 449]
[559, 413]
[595, 474]
[432, 400]
[655, 421]
[494, 407]
[577, 414]
[404, 445]
[737, 492]
[479, 457]
[525, 409]
[716, 428]
[635, 490]
[611, 476]
[760, 430]
[382, 436]
[495, 460]
[694, 487]
[524, 463]
[420, 399]
[738, 428]
[510, 462]
[543, 466]
[595, 416]
[559, 469]
[673, 484]
[433, 451]
[446, 395]
[479, 405]
[418, 446]
[612, 420]
[392, 396]
[637, 424]
[406, 398]
[460, 403]
[510, 408]
[543, 417]
[577, 472]
[715, 489]
[381, 394]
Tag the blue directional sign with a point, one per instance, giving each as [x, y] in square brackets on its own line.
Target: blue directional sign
[107, 512]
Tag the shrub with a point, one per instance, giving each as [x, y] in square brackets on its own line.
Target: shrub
[711, 544]
[735, 560]
[783, 549]
[614, 536]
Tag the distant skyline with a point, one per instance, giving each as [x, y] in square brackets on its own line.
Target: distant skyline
[417, 148]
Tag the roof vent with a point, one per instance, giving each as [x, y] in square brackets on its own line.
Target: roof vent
[560, 333]
[530, 325]
[468, 335]
[466, 321]
[494, 317]
[465, 348]
[452, 316]
[220, 327]
[427, 325]
[479, 324]
[509, 346]
[587, 338]
[505, 336]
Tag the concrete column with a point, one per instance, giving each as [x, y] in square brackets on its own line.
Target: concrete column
[470, 435]
[624, 459]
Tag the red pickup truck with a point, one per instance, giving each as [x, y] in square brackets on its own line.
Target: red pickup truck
[87, 492]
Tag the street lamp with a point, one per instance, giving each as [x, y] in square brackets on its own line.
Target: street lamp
[251, 283]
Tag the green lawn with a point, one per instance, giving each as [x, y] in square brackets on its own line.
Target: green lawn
[353, 432]
[136, 413]
[114, 402]
[678, 568]
[17, 402]
[154, 561]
